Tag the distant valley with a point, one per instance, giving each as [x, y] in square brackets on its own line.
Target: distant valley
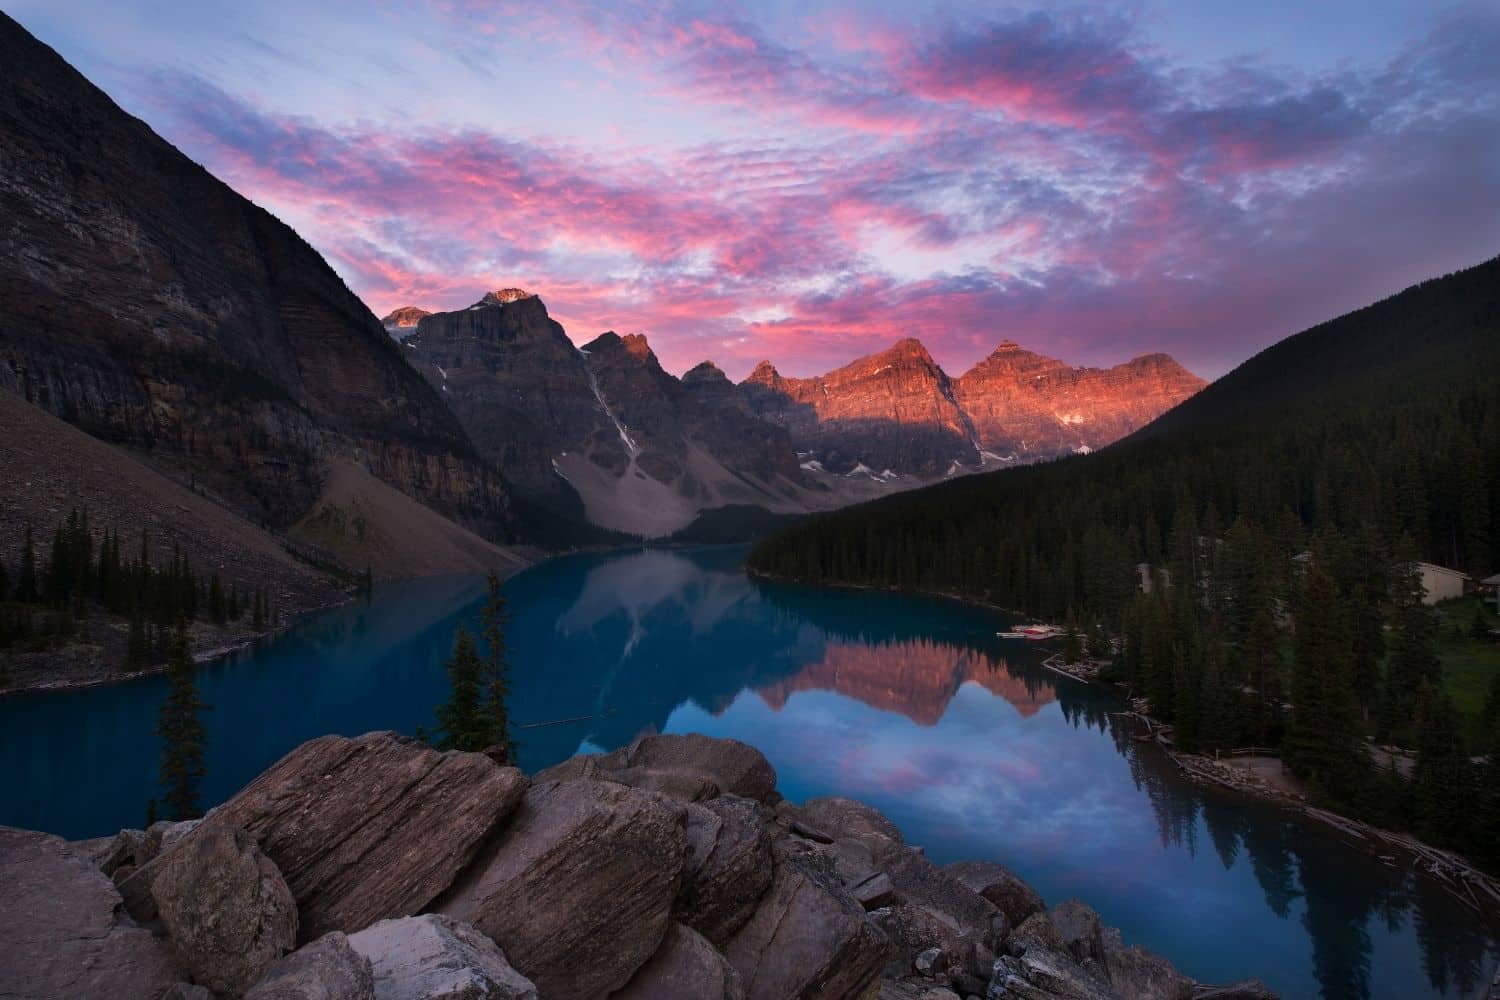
[605, 433]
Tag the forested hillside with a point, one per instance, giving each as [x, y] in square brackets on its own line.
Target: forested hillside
[1278, 511]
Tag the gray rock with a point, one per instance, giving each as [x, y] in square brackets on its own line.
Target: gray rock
[433, 957]
[162, 835]
[363, 829]
[62, 931]
[930, 962]
[728, 867]
[96, 849]
[685, 967]
[327, 969]
[585, 868]
[227, 912]
[808, 937]
[847, 818]
[1081, 930]
[1042, 966]
[583, 767]
[128, 848]
[736, 768]
[1000, 886]
[875, 891]
[186, 991]
[935, 910]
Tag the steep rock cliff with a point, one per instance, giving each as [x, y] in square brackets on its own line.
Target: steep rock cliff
[152, 306]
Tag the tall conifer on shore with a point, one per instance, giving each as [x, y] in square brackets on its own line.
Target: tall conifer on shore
[183, 735]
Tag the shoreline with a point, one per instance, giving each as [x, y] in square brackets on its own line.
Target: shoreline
[1452, 871]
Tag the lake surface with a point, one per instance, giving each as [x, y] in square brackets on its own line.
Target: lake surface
[909, 703]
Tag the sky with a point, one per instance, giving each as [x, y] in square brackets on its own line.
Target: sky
[811, 182]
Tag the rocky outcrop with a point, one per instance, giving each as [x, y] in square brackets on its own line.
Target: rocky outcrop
[63, 932]
[433, 957]
[1000, 886]
[600, 431]
[728, 867]
[686, 966]
[227, 911]
[402, 322]
[338, 817]
[808, 936]
[890, 411]
[581, 863]
[598, 883]
[1028, 406]
[152, 306]
[897, 414]
[327, 969]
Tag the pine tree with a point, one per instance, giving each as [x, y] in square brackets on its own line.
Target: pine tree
[4, 582]
[1443, 780]
[1323, 742]
[495, 710]
[182, 732]
[460, 718]
[258, 612]
[1413, 658]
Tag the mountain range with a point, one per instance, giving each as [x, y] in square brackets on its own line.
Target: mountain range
[154, 308]
[604, 432]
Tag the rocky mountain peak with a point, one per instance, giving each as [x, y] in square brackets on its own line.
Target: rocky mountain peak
[403, 318]
[705, 373]
[504, 297]
[765, 373]
[636, 346]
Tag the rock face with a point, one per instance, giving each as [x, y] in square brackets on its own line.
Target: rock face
[890, 411]
[227, 912]
[1027, 405]
[639, 873]
[581, 863]
[728, 867]
[1000, 886]
[600, 432]
[402, 323]
[897, 413]
[152, 306]
[365, 829]
[808, 937]
[686, 967]
[327, 969]
[63, 933]
[434, 957]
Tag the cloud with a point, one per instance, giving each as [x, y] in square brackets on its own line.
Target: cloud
[1048, 177]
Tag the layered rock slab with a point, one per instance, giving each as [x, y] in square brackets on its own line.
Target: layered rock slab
[433, 957]
[362, 829]
[685, 967]
[62, 930]
[584, 868]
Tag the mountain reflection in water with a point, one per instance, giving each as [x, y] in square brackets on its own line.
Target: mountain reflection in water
[912, 704]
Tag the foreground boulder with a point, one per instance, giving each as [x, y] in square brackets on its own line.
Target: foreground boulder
[327, 969]
[362, 829]
[1132, 972]
[808, 937]
[846, 819]
[578, 887]
[735, 768]
[1000, 886]
[685, 967]
[728, 868]
[433, 957]
[226, 909]
[62, 930]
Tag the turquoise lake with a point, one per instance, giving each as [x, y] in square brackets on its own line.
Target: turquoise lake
[912, 704]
